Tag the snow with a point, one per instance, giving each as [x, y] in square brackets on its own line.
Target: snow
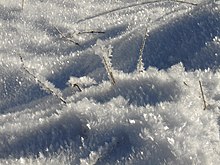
[71, 92]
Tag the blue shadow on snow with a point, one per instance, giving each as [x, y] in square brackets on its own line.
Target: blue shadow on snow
[186, 40]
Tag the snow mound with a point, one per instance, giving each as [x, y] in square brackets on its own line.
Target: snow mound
[167, 114]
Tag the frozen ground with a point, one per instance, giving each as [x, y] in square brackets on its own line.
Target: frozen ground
[148, 118]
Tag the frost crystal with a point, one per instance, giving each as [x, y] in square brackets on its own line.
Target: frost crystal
[140, 65]
[48, 85]
[105, 53]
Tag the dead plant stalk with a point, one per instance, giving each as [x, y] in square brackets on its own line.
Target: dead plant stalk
[203, 96]
[40, 82]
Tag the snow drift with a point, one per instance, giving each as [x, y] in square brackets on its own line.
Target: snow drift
[154, 117]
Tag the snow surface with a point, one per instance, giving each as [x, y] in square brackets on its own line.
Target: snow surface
[146, 118]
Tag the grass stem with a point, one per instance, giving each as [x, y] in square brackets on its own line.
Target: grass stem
[203, 96]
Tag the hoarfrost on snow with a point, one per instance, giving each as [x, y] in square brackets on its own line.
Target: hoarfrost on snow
[151, 117]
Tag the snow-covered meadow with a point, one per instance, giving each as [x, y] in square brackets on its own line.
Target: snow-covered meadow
[116, 116]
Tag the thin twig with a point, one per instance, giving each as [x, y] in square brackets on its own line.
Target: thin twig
[203, 96]
[134, 5]
[91, 32]
[140, 66]
[76, 85]
[66, 38]
[185, 83]
[184, 2]
[112, 79]
[40, 82]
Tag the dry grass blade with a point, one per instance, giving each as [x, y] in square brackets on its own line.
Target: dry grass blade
[140, 65]
[92, 32]
[66, 38]
[203, 96]
[109, 72]
[40, 82]
[77, 86]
